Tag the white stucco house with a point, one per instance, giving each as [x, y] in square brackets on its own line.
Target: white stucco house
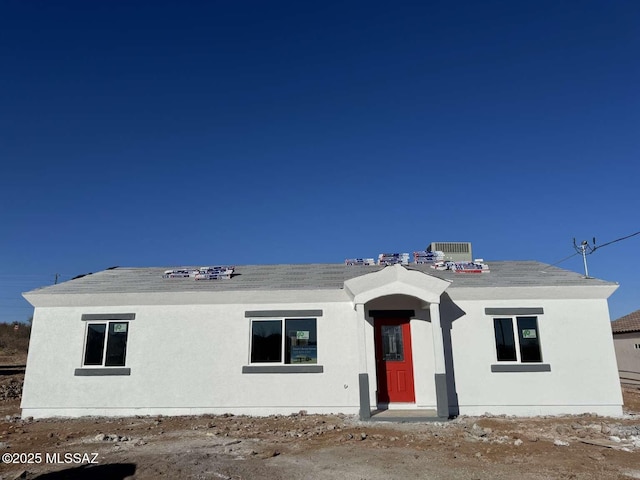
[524, 338]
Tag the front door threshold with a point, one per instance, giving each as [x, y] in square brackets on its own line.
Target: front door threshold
[408, 415]
[398, 406]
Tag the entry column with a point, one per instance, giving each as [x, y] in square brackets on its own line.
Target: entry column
[442, 397]
[364, 338]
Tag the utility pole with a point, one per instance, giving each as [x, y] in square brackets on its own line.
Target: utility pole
[585, 249]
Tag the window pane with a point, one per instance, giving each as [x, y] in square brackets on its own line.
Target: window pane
[392, 344]
[95, 344]
[116, 344]
[505, 341]
[266, 343]
[529, 341]
[302, 343]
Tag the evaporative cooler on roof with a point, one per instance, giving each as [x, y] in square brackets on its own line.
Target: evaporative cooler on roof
[453, 251]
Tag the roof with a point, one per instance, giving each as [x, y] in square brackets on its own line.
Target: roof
[310, 277]
[628, 323]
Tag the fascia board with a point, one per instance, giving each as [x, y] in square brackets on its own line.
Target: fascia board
[533, 293]
[247, 297]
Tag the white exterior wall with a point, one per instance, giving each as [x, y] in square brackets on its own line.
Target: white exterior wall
[575, 340]
[423, 364]
[628, 357]
[187, 359]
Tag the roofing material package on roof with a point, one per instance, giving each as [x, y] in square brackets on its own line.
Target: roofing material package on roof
[202, 273]
[359, 261]
[393, 258]
[424, 256]
[462, 267]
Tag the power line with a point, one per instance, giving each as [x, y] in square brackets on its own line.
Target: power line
[566, 258]
[28, 277]
[616, 240]
[594, 248]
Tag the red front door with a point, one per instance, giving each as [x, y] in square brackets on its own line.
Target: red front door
[394, 361]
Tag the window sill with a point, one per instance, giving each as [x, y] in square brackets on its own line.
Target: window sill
[282, 369]
[101, 372]
[521, 367]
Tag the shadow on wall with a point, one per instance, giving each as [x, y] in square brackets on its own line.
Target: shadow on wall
[113, 471]
[450, 312]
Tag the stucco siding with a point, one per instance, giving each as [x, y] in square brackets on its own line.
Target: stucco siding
[188, 358]
[576, 343]
[628, 357]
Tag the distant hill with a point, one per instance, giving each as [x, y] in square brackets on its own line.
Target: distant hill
[14, 342]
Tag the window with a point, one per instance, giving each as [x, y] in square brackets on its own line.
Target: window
[523, 347]
[288, 341]
[106, 344]
[505, 342]
[392, 343]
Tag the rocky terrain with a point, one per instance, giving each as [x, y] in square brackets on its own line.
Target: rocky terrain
[311, 447]
[329, 446]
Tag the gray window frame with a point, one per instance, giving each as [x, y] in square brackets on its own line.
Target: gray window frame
[281, 366]
[517, 365]
[105, 319]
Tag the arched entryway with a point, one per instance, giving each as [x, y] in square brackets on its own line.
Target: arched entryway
[400, 339]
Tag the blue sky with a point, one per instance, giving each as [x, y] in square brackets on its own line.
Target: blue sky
[198, 133]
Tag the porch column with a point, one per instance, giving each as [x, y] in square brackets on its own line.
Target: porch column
[362, 340]
[363, 375]
[442, 397]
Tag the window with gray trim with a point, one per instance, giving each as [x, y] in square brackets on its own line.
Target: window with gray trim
[106, 344]
[285, 341]
[522, 347]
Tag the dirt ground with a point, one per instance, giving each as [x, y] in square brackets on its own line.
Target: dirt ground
[318, 447]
